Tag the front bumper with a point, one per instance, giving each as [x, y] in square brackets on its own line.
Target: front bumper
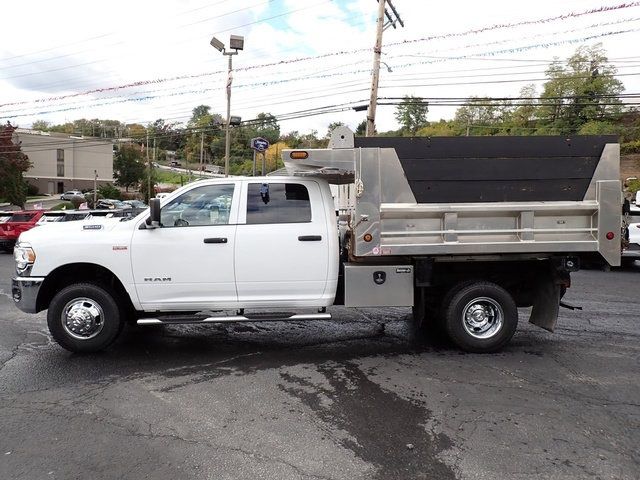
[24, 291]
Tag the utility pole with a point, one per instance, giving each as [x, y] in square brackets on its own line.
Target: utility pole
[377, 51]
[201, 150]
[149, 166]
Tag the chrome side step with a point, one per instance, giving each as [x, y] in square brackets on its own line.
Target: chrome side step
[260, 317]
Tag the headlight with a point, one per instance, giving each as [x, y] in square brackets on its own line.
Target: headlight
[24, 257]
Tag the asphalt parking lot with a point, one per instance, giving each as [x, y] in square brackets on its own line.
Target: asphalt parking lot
[350, 398]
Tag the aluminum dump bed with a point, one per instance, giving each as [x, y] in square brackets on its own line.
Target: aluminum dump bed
[473, 195]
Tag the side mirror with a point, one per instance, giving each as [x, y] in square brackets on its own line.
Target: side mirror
[154, 219]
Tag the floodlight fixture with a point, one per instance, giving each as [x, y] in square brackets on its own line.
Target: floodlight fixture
[236, 42]
[217, 44]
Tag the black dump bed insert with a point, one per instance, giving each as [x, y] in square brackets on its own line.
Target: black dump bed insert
[496, 169]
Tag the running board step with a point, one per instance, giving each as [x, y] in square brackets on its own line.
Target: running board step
[257, 317]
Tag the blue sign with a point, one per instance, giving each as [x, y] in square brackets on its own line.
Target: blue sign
[259, 144]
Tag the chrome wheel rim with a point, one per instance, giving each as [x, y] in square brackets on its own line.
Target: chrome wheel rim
[482, 317]
[82, 318]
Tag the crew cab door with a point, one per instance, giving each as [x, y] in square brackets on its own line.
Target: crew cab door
[187, 263]
[282, 249]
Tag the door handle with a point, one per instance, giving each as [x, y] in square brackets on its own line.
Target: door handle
[310, 238]
[215, 240]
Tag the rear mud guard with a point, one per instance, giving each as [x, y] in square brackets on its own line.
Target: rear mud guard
[546, 304]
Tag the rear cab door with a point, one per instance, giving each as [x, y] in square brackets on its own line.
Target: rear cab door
[284, 249]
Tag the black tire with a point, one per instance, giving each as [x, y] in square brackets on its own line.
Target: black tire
[493, 326]
[89, 302]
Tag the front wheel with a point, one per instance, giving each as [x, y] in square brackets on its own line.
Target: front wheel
[480, 317]
[84, 318]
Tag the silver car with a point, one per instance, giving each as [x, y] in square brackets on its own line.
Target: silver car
[71, 194]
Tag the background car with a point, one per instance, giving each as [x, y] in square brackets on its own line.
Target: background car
[111, 204]
[136, 203]
[71, 194]
[20, 221]
[632, 252]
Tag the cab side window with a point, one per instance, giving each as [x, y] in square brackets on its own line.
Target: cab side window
[206, 205]
[277, 203]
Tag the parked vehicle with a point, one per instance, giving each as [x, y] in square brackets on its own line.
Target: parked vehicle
[71, 194]
[108, 203]
[632, 252]
[136, 203]
[465, 230]
[19, 222]
[5, 216]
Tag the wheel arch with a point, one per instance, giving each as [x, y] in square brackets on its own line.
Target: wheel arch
[81, 273]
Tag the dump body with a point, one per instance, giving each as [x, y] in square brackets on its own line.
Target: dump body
[474, 195]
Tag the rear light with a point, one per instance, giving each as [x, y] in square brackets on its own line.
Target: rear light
[610, 235]
[299, 155]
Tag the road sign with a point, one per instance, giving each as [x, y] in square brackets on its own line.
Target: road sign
[259, 144]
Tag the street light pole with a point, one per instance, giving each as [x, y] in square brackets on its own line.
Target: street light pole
[236, 43]
[227, 137]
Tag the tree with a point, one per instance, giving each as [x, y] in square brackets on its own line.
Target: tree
[266, 126]
[128, 168]
[583, 91]
[361, 129]
[411, 114]
[483, 116]
[13, 163]
[41, 125]
[198, 112]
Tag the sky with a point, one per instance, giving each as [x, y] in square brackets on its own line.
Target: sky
[138, 61]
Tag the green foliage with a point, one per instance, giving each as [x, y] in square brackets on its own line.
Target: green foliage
[108, 190]
[144, 185]
[412, 114]
[443, 128]
[266, 126]
[630, 147]
[596, 127]
[582, 91]
[128, 167]
[13, 163]
[633, 185]
[41, 125]
[361, 129]
[32, 190]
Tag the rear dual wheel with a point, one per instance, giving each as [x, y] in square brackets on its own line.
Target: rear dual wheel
[477, 316]
[480, 317]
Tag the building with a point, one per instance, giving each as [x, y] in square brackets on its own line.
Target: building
[62, 162]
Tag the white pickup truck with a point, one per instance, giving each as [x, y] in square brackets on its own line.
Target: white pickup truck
[464, 240]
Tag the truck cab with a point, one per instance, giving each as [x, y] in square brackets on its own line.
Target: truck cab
[216, 245]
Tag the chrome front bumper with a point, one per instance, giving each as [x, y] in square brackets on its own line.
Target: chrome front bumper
[24, 291]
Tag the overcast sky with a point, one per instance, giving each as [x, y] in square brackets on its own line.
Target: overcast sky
[137, 61]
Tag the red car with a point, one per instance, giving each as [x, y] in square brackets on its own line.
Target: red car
[19, 222]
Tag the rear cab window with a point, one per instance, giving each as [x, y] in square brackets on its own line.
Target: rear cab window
[269, 203]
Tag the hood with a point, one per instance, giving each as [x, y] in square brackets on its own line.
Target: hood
[71, 232]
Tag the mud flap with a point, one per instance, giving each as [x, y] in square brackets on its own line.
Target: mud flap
[546, 305]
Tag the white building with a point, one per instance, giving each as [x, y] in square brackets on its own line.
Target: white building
[62, 162]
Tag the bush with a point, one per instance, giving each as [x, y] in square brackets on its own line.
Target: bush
[109, 191]
[32, 190]
[630, 147]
